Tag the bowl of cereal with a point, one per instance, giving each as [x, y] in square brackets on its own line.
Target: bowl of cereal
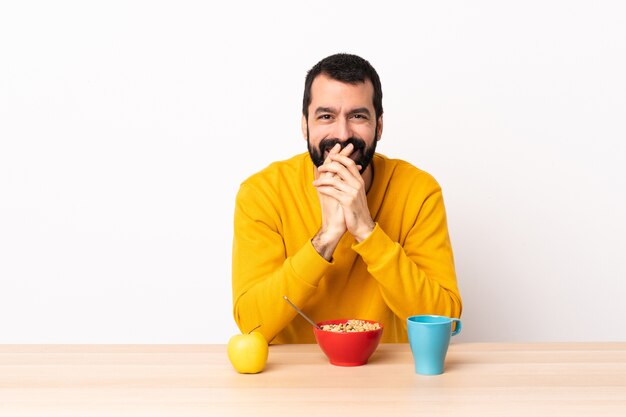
[348, 342]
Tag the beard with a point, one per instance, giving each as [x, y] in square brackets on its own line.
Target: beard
[361, 155]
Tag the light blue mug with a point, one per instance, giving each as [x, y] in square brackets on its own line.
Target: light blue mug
[429, 337]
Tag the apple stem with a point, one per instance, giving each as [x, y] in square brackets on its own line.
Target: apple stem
[254, 329]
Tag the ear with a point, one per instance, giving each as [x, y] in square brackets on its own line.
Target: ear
[379, 133]
[304, 126]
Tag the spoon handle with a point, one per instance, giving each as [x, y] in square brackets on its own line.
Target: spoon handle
[301, 313]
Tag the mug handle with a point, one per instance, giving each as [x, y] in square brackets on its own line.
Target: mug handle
[457, 329]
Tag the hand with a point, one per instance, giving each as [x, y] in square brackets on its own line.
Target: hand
[347, 187]
[333, 224]
[333, 220]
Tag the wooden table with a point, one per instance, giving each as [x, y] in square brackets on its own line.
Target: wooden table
[576, 379]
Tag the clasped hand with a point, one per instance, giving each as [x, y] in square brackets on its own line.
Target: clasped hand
[342, 194]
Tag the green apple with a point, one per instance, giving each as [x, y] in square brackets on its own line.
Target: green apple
[248, 352]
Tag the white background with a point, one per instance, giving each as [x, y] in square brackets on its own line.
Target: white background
[126, 128]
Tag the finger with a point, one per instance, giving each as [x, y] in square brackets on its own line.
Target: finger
[331, 192]
[336, 168]
[348, 163]
[351, 175]
[337, 184]
[347, 150]
[345, 160]
[344, 198]
[334, 150]
[343, 175]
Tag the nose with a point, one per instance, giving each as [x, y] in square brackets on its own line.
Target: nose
[343, 131]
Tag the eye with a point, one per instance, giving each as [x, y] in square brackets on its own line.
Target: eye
[324, 117]
[360, 116]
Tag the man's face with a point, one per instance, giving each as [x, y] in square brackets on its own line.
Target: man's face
[341, 113]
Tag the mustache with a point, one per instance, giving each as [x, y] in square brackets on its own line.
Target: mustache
[328, 144]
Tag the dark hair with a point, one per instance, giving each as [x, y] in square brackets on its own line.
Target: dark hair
[346, 68]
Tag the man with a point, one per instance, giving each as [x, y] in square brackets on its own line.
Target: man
[343, 232]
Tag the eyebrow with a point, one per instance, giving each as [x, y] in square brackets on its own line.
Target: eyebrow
[325, 110]
[358, 110]
[363, 110]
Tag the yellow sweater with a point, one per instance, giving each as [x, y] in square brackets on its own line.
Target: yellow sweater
[405, 267]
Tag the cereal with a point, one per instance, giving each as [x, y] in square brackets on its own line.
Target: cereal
[351, 326]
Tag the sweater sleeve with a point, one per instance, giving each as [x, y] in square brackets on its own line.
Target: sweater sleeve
[261, 271]
[416, 276]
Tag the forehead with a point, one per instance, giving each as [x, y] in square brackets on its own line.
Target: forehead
[328, 92]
